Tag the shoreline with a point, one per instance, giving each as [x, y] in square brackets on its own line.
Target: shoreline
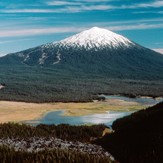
[21, 111]
[132, 96]
[11, 111]
[97, 98]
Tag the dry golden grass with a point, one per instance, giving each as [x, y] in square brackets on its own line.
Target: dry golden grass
[21, 111]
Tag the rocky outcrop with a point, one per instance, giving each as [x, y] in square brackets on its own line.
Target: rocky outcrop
[36, 144]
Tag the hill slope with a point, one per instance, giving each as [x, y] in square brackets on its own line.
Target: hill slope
[96, 51]
[137, 138]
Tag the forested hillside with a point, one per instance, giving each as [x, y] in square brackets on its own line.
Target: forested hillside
[37, 84]
[80, 67]
[51, 143]
[137, 138]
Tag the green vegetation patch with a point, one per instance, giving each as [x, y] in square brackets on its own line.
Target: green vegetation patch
[63, 131]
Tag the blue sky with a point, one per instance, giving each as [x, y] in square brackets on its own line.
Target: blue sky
[28, 23]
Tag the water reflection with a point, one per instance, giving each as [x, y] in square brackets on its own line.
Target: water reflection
[141, 100]
[107, 118]
[57, 118]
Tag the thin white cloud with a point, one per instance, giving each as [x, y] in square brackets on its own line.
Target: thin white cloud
[77, 2]
[31, 11]
[113, 25]
[158, 43]
[62, 3]
[38, 31]
[143, 12]
[10, 41]
[85, 5]
[147, 12]
[2, 54]
[59, 10]
[68, 9]
[43, 31]
[136, 27]
[128, 22]
[91, 8]
[152, 4]
[97, 0]
[159, 50]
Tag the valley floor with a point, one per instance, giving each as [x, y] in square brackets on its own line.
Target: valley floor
[21, 111]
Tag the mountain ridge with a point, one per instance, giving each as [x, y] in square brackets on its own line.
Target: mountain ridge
[89, 41]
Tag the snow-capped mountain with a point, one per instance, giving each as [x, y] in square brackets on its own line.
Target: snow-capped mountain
[89, 41]
[79, 67]
[95, 38]
[95, 50]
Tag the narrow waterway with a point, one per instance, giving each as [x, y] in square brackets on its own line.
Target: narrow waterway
[107, 118]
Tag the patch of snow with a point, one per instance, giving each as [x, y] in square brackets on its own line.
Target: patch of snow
[58, 57]
[159, 50]
[95, 38]
[2, 86]
[43, 57]
[48, 45]
[26, 58]
[20, 54]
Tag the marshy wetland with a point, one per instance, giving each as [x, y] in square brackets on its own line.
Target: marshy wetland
[96, 112]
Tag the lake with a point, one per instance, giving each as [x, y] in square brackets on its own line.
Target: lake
[141, 100]
[107, 118]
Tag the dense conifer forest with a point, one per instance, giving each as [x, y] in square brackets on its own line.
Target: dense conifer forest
[84, 134]
[8, 155]
[67, 84]
[137, 138]
[62, 131]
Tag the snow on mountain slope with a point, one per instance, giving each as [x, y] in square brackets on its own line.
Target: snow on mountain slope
[90, 46]
[95, 38]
